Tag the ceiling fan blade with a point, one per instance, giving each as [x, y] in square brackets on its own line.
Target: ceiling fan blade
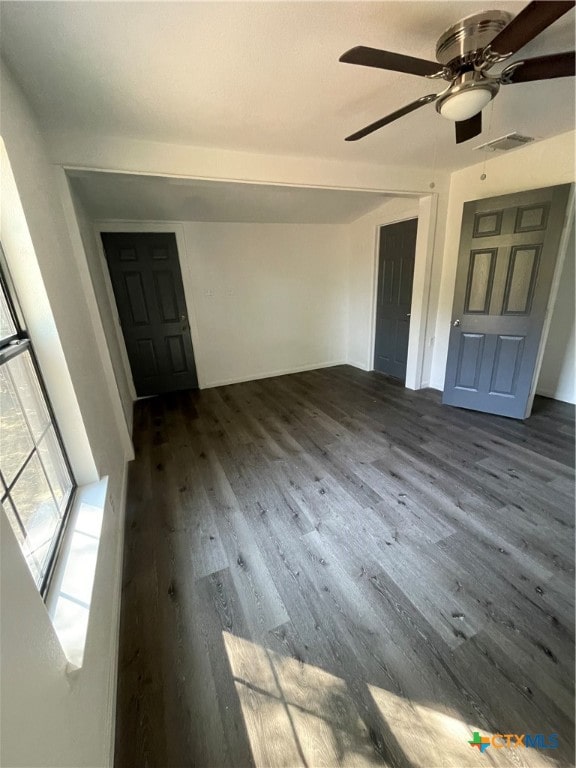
[396, 62]
[467, 129]
[393, 116]
[540, 68]
[528, 24]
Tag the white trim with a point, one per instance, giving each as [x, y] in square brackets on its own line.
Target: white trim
[176, 228]
[562, 250]
[375, 266]
[360, 366]
[552, 395]
[391, 193]
[421, 287]
[270, 374]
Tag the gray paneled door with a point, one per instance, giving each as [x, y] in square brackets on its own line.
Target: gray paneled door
[147, 282]
[397, 250]
[507, 257]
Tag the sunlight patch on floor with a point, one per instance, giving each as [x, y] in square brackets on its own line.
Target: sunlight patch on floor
[422, 730]
[296, 714]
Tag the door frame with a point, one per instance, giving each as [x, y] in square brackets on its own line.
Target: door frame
[380, 275]
[146, 227]
[421, 287]
[569, 221]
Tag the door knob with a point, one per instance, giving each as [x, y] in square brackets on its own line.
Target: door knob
[407, 314]
[456, 323]
[183, 323]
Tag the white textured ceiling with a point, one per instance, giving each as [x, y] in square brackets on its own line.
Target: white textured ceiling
[152, 198]
[262, 76]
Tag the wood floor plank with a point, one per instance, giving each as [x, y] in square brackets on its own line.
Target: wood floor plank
[258, 594]
[219, 615]
[327, 569]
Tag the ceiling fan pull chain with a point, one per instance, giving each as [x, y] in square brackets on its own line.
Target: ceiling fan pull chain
[435, 156]
[489, 132]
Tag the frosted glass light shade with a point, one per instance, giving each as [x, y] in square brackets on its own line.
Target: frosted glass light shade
[465, 104]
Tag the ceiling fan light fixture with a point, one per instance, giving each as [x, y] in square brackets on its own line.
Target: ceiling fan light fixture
[467, 95]
[465, 104]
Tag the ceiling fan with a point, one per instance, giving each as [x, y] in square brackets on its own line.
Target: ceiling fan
[465, 53]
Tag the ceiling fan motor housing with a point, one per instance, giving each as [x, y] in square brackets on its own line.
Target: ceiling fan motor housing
[460, 44]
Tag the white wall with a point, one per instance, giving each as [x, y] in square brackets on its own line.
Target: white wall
[263, 299]
[269, 298]
[49, 717]
[557, 379]
[542, 164]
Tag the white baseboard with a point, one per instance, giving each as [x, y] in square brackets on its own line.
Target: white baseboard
[270, 374]
[360, 366]
[552, 395]
[364, 367]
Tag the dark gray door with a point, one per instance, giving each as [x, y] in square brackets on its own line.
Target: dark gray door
[145, 273]
[395, 274]
[508, 250]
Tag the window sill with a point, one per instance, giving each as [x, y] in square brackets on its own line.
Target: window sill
[70, 592]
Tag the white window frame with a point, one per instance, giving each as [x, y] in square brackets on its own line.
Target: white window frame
[11, 347]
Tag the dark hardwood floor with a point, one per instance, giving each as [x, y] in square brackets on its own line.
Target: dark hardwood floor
[327, 569]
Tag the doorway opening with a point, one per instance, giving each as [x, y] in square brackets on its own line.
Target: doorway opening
[396, 259]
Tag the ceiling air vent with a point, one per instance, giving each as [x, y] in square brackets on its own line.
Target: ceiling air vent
[504, 143]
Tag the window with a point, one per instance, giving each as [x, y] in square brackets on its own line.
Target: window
[36, 483]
